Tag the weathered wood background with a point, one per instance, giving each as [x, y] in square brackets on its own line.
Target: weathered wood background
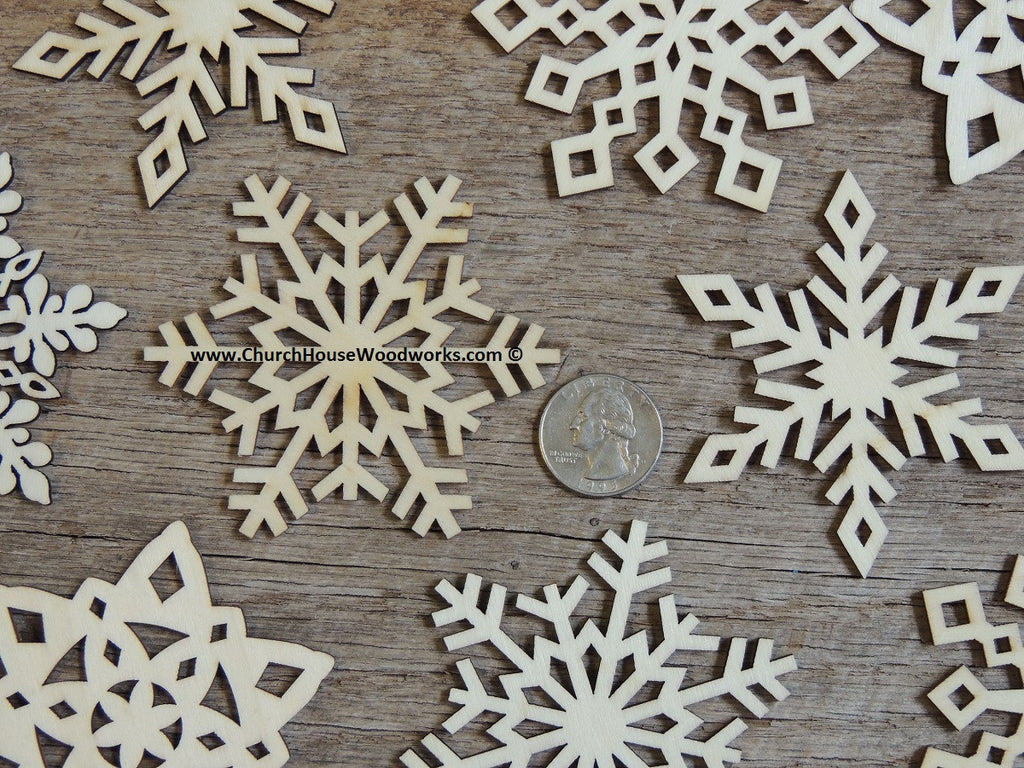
[422, 90]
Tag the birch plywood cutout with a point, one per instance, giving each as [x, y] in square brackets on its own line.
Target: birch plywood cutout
[374, 366]
[619, 692]
[147, 671]
[35, 324]
[194, 29]
[962, 698]
[860, 372]
[974, 56]
[682, 55]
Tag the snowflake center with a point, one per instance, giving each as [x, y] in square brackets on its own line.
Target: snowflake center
[205, 23]
[597, 726]
[137, 721]
[858, 371]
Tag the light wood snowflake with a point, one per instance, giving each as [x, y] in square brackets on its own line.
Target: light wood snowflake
[858, 370]
[339, 307]
[147, 671]
[962, 698]
[974, 56]
[586, 695]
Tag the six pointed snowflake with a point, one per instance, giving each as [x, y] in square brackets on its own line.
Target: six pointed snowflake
[595, 719]
[146, 672]
[857, 372]
[961, 697]
[377, 306]
[976, 65]
[681, 54]
[34, 324]
[196, 28]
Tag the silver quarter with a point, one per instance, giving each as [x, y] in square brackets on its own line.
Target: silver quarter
[600, 435]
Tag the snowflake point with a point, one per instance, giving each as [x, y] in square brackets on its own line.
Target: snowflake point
[1015, 589]
[862, 532]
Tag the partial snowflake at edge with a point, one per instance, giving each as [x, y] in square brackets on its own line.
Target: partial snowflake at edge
[962, 698]
[147, 671]
[370, 292]
[596, 710]
[857, 375]
[682, 58]
[199, 29]
[48, 323]
[977, 67]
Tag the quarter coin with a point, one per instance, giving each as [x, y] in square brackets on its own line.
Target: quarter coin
[600, 435]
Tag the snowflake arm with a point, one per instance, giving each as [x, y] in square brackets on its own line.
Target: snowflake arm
[346, 309]
[195, 29]
[719, 299]
[681, 55]
[50, 323]
[155, 665]
[859, 372]
[1001, 646]
[986, 291]
[593, 720]
[19, 457]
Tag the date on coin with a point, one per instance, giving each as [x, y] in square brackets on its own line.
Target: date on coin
[600, 435]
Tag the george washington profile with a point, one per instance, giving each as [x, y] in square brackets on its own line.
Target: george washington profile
[602, 429]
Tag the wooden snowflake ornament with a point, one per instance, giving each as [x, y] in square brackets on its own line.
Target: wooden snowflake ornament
[859, 372]
[195, 30]
[618, 689]
[977, 64]
[146, 672]
[35, 324]
[355, 404]
[681, 55]
[962, 698]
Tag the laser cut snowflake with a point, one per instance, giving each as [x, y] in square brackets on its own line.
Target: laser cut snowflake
[307, 307]
[146, 672]
[35, 324]
[961, 697]
[976, 64]
[596, 719]
[858, 372]
[198, 28]
[681, 54]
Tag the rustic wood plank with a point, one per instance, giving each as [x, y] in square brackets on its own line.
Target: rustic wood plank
[421, 90]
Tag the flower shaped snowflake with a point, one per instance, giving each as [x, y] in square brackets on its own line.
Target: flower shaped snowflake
[34, 325]
[976, 63]
[681, 54]
[146, 672]
[341, 307]
[198, 29]
[858, 372]
[961, 697]
[595, 717]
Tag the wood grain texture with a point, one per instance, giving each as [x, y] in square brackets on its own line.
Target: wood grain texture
[421, 90]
